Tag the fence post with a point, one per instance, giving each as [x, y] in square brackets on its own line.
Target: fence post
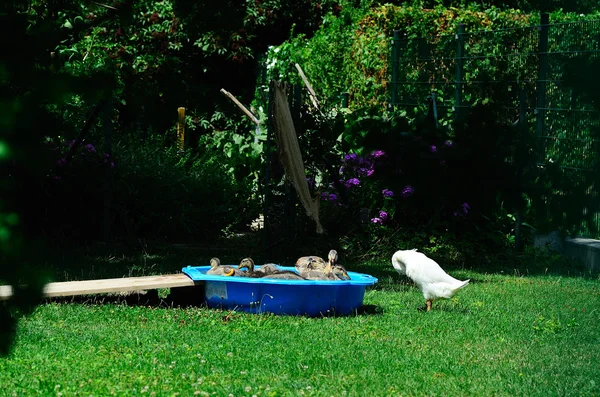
[107, 127]
[395, 66]
[521, 163]
[181, 128]
[540, 110]
[434, 109]
[267, 181]
[345, 96]
[460, 48]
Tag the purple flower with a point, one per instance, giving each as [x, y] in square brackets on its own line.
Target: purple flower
[364, 172]
[377, 154]
[90, 148]
[387, 193]
[364, 163]
[432, 148]
[407, 191]
[61, 162]
[342, 169]
[108, 161]
[383, 216]
[370, 172]
[377, 221]
[464, 211]
[352, 182]
[465, 208]
[329, 196]
[350, 158]
[448, 143]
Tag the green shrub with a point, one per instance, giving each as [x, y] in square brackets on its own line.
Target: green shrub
[489, 169]
[351, 53]
[157, 192]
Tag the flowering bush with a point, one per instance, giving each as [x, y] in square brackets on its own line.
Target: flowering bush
[357, 178]
[413, 174]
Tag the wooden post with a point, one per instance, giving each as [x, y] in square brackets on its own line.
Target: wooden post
[53, 61]
[313, 96]
[242, 107]
[181, 128]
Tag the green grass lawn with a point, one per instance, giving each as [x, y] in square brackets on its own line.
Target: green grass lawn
[505, 334]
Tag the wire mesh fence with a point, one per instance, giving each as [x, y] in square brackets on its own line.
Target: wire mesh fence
[538, 76]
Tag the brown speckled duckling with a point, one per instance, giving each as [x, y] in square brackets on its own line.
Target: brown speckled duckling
[268, 270]
[316, 263]
[216, 269]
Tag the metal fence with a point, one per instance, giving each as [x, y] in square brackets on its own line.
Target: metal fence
[527, 72]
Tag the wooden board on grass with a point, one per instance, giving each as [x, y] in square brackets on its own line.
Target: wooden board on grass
[91, 287]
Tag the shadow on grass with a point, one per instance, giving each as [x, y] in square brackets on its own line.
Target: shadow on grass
[445, 308]
[531, 263]
[179, 297]
[183, 297]
[370, 310]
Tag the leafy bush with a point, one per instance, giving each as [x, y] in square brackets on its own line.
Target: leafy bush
[156, 192]
[488, 167]
[417, 175]
[351, 53]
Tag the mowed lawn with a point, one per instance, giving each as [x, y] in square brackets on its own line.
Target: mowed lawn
[502, 335]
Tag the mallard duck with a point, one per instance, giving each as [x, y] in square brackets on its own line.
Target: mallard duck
[269, 268]
[340, 272]
[315, 262]
[431, 279]
[285, 275]
[248, 264]
[311, 273]
[217, 270]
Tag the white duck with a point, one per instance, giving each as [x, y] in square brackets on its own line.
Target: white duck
[431, 279]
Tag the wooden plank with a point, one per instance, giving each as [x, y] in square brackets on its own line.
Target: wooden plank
[313, 95]
[90, 287]
[242, 107]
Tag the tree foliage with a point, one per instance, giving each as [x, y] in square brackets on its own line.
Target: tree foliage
[28, 84]
[494, 159]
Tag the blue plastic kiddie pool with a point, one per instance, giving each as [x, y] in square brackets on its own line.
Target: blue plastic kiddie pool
[294, 297]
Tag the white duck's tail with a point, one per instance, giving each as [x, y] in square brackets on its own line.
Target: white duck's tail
[462, 285]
